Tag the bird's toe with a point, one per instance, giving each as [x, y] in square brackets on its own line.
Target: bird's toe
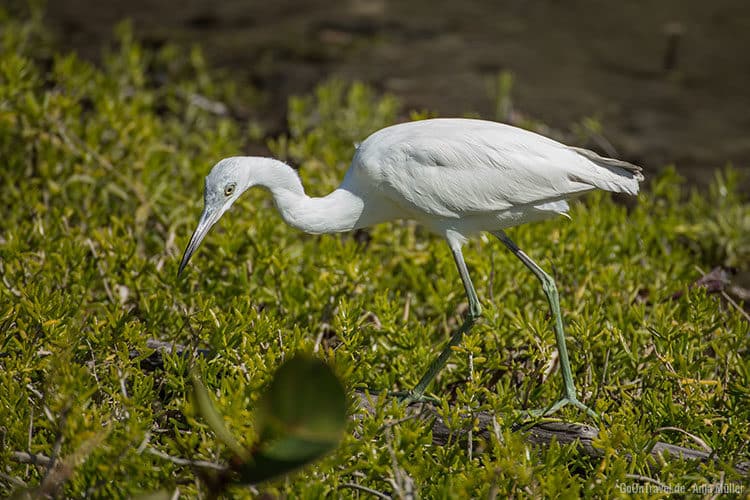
[559, 404]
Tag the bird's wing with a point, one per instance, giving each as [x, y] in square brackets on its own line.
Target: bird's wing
[457, 167]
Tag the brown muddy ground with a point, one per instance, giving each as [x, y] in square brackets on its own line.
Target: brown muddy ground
[571, 58]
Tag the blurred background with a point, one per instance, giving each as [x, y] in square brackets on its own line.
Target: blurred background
[668, 80]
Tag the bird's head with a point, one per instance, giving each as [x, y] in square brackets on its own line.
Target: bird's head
[225, 183]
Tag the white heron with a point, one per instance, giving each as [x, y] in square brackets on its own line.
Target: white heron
[457, 177]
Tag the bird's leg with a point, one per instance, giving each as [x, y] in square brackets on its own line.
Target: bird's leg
[550, 290]
[475, 311]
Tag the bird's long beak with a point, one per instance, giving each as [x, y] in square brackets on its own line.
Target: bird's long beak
[207, 220]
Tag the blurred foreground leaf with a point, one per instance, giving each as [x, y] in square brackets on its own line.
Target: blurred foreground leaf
[302, 416]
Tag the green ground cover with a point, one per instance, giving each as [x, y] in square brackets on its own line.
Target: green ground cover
[101, 176]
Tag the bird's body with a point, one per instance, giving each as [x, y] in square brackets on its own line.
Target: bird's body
[469, 176]
[457, 177]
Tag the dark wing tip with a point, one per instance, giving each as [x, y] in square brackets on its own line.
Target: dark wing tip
[610, 162]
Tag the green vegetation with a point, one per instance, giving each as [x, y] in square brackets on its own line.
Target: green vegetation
[101, 178]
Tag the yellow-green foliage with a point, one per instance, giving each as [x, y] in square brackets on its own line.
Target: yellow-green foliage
[101, 181]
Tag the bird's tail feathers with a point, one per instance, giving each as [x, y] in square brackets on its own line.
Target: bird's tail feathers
[624, 176]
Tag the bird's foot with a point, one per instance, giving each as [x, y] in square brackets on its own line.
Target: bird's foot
[409, 397]
[564, 401]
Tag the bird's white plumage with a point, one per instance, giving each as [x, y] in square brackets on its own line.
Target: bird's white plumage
[446, 169]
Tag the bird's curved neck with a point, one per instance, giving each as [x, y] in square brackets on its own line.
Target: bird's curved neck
[339, 211]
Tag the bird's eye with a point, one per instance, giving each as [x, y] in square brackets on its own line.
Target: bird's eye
[229, 189]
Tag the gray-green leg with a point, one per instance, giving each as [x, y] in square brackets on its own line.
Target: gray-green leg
[550, 290]
[475, 311]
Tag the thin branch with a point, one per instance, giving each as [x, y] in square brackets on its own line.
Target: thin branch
[695, 438]
[58, 441]
[725, 284]
[735, 305]
[203, 464]
[359, 487]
